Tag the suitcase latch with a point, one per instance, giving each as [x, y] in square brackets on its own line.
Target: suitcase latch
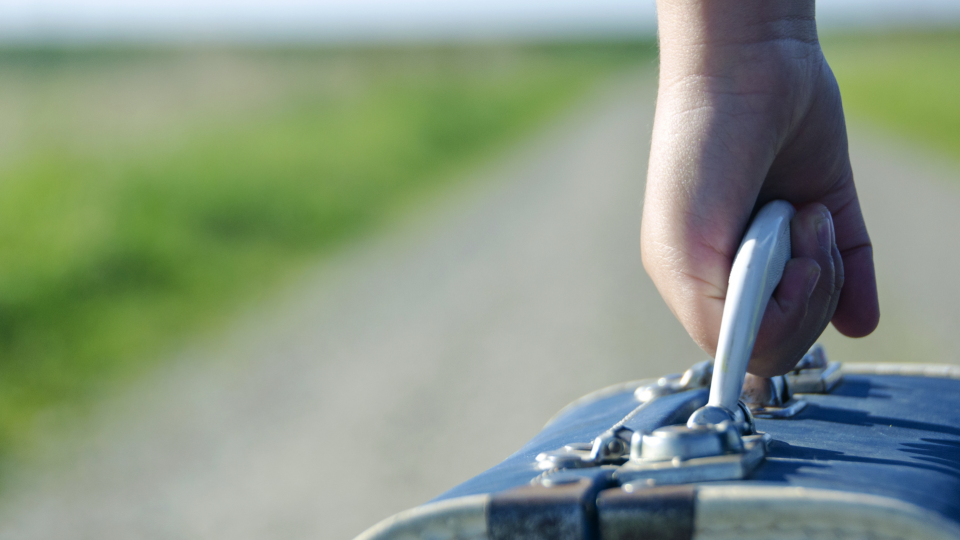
[725, 449]
[777, 397]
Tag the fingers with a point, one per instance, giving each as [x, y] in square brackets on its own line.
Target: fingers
[806, 298]
[815, 167]
[858, 310]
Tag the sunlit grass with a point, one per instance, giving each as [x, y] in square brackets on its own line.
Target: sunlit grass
[908, 82]
[143, 195]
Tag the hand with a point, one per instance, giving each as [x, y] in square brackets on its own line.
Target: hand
[749, 111]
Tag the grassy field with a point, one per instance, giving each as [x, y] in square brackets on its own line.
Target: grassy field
[906, 82]
[144, 195]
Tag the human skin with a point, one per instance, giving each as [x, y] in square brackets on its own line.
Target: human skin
[748, 111]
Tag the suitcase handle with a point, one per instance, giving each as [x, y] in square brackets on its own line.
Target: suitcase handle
[757, 269]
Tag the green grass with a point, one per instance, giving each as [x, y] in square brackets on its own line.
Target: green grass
[145, 195]
[908, 82]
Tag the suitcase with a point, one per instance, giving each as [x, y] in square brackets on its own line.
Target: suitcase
[828, 451]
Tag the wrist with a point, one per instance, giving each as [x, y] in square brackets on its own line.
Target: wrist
[719, 22]
[703, 36]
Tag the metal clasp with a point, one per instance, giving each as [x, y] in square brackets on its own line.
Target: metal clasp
[610, 448]
[721, 449]
[775, 397]
[686, 454]
[698, 376]
[814, 374]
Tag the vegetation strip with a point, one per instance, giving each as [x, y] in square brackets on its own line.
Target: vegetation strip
[906, 82]
[145, 194]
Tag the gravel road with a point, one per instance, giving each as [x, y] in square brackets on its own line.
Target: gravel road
[419, 357]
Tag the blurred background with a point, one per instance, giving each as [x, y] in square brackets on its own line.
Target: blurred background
[281, 269]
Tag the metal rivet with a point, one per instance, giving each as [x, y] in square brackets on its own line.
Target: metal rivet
[615, 446]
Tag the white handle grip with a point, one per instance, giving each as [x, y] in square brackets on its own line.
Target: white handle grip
[756, 271]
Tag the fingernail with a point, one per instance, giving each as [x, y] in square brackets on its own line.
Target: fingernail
[812, 280]
[825, 233]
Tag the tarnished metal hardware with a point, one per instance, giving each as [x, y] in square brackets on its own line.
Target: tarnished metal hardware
[814, 381]
[709, 415]
[814, 374]
[774, 397]
[761, 397]
[610, 448]
[770, 397]
[759, 392]
[560, 477]
[718, 442]
[788, 410]
[613, 446]
[685, 443]
[698, 376]
[571, 456]
[730, 466]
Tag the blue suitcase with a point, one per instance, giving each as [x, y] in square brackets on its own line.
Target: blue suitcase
[828, 451]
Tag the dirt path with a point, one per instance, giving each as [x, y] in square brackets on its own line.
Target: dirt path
[423, 356]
